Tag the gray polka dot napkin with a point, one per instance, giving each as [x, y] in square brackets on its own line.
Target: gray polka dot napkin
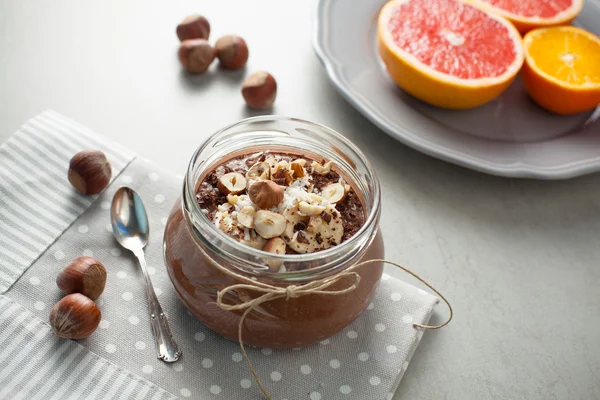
[365, 361]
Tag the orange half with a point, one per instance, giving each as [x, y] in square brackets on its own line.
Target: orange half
[448, 53]
[562, 69]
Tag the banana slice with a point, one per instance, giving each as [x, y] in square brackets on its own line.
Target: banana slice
[307, 234]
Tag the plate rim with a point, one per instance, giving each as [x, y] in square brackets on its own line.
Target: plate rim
[514, 170]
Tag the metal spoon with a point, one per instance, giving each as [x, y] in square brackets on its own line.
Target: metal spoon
[131, 229]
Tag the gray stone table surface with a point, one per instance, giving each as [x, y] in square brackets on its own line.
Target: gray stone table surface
[518, 259]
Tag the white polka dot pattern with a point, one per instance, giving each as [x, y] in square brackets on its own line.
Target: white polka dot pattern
[374, 380]
[345, 389]
[245, 383]
[275, 376]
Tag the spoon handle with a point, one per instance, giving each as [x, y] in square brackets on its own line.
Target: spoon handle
[167, 348]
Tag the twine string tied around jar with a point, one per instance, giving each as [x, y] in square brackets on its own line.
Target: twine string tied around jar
[320, 286]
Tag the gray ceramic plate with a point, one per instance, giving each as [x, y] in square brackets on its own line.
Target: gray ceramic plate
[510, 136]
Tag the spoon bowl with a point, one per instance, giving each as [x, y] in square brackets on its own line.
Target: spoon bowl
[129, 219]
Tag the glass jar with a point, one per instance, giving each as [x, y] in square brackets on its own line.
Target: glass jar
[192, 243]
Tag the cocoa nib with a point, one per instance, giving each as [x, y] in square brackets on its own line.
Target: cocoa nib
[278, 177]
[300, 226]
[318, 238]
[301, 238]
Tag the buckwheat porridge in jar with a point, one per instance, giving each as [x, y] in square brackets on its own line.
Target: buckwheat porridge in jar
[283, 202]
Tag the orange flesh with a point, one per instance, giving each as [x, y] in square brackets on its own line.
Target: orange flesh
[453, 38]
[532, 8]
[570, 57]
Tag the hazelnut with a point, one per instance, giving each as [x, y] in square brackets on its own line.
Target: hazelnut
[298, 167]
[74, 317]
[269, 224]
[196, 55]
[260, 90]
[232, 51]
[193, 27]
[310, 209]
[245, 217]
[334, 192]
[84, 275]
[321, 169]
[265, 194]
[259, 171]
[89, 172]
[274, 245]
[232, 183]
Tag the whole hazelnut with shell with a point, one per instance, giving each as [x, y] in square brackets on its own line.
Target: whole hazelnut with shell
[260, 90]
[74, 317]
[232, 51]
[196, 55]
[193, 27]
[84, 275]
[89, 171]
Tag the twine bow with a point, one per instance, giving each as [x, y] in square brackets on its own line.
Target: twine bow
[271, 292]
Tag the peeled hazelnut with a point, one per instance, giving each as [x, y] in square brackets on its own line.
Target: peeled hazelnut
[260, 90]
[89, 171]
[246, 216]
[84, 275]
[310, 209]
[321, 169]
[298, 167]
[232, 183]
[232, 51]
[259, 171]
[334, 192]
[74, 317]
[193, 27]
[196, 55]
[265, 194]
[269, 224]
[274, 245]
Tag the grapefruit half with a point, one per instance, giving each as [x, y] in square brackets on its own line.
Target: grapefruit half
[448, 53]
[531, 14]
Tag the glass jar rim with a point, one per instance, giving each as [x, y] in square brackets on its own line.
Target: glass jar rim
[189, 195]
